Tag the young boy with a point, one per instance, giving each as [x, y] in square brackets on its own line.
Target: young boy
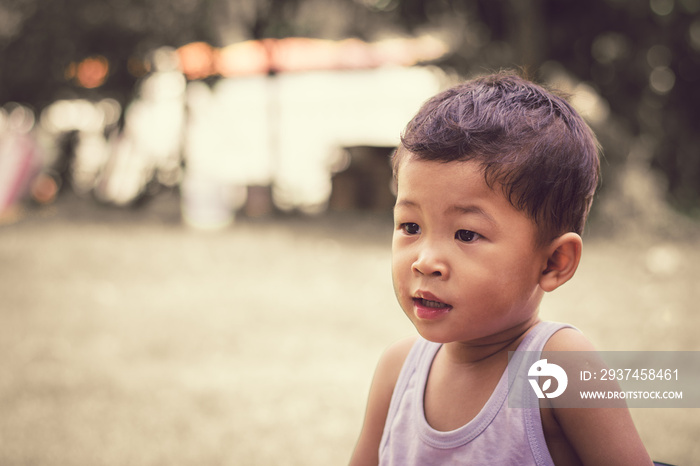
[495, 180]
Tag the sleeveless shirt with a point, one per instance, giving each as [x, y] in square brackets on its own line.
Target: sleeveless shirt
[498, 434]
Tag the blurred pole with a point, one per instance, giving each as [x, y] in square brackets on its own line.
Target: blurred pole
[259, 202]
[527, 23]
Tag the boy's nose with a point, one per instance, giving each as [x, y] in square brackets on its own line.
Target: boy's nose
[430, 263]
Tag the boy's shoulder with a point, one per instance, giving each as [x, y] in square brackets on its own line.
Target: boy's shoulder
[395, 355]
[390, 364]
[385, 377]
[595, 435]
[568, 339]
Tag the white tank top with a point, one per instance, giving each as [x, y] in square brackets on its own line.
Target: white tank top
[498, 435]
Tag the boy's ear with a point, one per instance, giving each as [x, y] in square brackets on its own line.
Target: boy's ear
[563, 256]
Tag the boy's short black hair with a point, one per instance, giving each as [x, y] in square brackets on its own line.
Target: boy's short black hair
[529, 141]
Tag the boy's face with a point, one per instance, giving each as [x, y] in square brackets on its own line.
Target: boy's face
[465, 263]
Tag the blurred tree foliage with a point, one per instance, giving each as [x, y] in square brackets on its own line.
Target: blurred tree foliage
[641, 56]
[46, 36]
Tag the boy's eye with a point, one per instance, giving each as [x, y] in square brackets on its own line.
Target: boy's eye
[410, 228]
[467, 236]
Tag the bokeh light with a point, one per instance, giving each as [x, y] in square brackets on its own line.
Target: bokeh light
[90, 72]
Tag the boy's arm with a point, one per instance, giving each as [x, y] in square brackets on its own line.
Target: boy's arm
[598, 435]
[387, 373]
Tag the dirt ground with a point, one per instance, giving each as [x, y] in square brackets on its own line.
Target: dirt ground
[127, 338]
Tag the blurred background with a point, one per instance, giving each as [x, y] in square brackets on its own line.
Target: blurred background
[195, 210]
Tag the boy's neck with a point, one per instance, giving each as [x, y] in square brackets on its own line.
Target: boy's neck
[477, 351]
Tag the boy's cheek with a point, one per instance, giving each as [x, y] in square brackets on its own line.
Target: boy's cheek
[399, 271]
[399, 288]
[399, 257]
[398, 249]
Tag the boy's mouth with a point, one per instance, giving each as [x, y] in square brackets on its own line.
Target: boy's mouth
[427, 306]
[428, 300]
[429, 303]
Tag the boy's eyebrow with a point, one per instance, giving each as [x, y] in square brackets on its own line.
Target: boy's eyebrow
[472, 209]
[457, 208]
[405, 203]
